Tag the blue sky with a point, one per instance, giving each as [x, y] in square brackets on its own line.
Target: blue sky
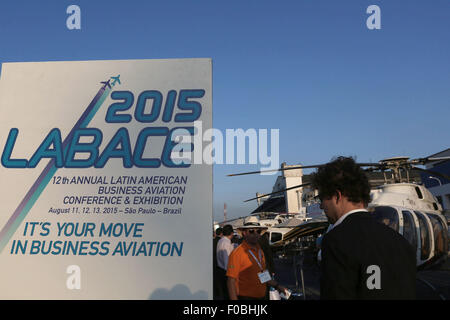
[309, 68]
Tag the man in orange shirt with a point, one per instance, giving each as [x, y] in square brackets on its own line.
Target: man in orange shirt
[247, 274]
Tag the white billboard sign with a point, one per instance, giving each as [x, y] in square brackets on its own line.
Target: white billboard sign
[95, 202]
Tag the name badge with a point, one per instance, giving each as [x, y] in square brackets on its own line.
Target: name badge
[264, 276]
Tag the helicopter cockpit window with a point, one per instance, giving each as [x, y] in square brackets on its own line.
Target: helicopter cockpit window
[275, 236]
[424, 236]
[386, 215]
[409, 229]
[440, 236]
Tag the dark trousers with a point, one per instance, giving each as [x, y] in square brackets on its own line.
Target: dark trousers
[217, 291]
[222, 284]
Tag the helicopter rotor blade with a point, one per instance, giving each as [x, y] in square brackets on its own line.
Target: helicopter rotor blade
[274, 170]
[370, 164]
[423, 161]
[299, 167]
[433, 173]
[268, 194]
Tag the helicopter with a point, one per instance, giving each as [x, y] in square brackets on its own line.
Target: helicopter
[405, 206]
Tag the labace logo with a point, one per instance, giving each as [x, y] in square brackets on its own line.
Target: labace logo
[64, 153]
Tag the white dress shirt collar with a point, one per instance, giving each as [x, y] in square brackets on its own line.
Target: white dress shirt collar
[342, 218]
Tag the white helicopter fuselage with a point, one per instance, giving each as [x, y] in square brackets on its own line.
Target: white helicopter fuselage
[408, 195]
[414, 212]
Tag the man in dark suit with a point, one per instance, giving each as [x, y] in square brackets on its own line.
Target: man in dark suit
[361, 258]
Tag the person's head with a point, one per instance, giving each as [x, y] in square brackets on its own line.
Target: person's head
[343, 186]
[219, 232]
[228, 230]
[251, 230]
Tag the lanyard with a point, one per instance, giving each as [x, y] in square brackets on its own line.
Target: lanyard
[258, 261]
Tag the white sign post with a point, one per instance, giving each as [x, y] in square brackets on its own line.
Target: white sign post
[94, 205]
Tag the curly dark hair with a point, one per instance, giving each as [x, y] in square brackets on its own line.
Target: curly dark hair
[344, 175]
